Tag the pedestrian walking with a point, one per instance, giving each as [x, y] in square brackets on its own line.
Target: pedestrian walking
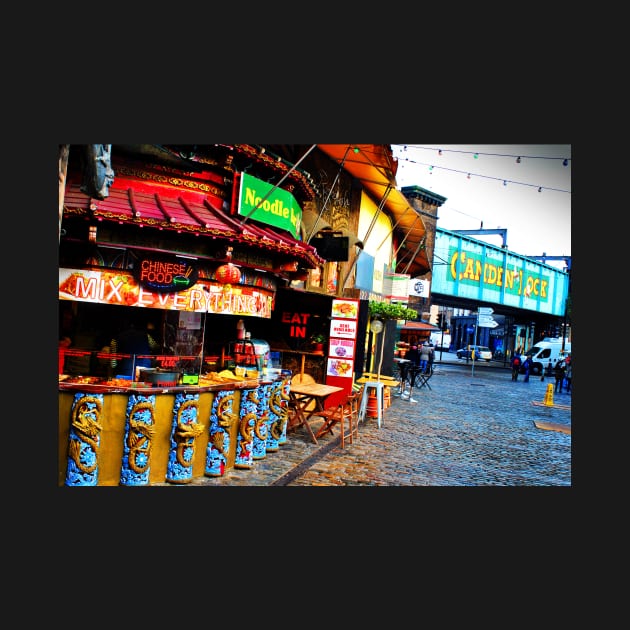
[559, 375]
[516, 367]
[527, 366]
[568, 374]
[424, 356]
[429, 369]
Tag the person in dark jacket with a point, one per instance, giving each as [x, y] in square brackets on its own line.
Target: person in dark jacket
[516, 367]
[568, 373]
[558, 372]
[414, 356]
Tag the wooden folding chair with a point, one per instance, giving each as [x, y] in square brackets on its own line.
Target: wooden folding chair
[347, 411]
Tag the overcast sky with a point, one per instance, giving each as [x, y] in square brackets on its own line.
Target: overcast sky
[536, 222]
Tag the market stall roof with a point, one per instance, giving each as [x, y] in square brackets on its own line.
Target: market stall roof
[419, 326]
[373, 165]
[182, 212]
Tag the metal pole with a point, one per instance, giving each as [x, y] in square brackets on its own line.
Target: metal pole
[472, 354]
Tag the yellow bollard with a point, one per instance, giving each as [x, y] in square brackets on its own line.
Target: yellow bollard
[549, 396]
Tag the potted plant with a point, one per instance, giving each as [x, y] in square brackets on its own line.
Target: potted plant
[317, 341]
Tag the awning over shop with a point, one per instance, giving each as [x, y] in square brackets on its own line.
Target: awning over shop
[419, 326]
[176, 210]
[374, 167]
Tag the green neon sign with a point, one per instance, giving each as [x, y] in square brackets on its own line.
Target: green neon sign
[275, 207]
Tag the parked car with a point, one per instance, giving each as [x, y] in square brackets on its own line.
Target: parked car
[481, 352]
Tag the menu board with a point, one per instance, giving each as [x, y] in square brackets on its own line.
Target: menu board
[343, 328]
[342, 347]
[345, 309]
[339, 367]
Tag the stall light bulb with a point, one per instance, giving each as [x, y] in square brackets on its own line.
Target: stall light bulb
[439, 151]
[518, 159]
[539, 188]
[468, 176]
[476, 156]
[565, 162]
[504, 183]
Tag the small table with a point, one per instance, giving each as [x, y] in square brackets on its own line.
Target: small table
[301, 396]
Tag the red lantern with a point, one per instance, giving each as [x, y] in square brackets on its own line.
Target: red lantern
[228, 273]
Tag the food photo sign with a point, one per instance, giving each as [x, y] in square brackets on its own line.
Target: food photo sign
[341, 347]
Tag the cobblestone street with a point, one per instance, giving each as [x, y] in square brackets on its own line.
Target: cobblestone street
[470, 429]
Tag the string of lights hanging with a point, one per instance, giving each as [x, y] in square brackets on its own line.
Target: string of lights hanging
[476, 154]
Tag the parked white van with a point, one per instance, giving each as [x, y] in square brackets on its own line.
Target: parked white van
[441, 341]
[545, 353]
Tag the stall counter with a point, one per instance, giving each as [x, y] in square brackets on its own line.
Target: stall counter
[128, 435]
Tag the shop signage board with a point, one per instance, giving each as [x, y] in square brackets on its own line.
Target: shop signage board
[419, 287]
[342, 347]
[117, 287]
[343, 328]
[475, 270]
[259, 200]
[165, 274]
[396, 286]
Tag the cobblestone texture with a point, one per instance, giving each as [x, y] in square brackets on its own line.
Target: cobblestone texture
[468, 430]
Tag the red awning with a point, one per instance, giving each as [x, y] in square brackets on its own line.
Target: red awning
[166, 208]
[419, 326]
[374, 166]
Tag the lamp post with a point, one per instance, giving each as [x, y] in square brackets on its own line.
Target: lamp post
[376, 326]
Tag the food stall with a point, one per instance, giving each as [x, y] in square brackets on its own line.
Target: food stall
[134, 433]
[172, 242]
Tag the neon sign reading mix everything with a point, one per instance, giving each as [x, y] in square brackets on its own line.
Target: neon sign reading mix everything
[469, 269]
[105, 287]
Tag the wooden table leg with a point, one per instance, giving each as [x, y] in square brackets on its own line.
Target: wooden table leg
[308, 428]
[300, 405]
